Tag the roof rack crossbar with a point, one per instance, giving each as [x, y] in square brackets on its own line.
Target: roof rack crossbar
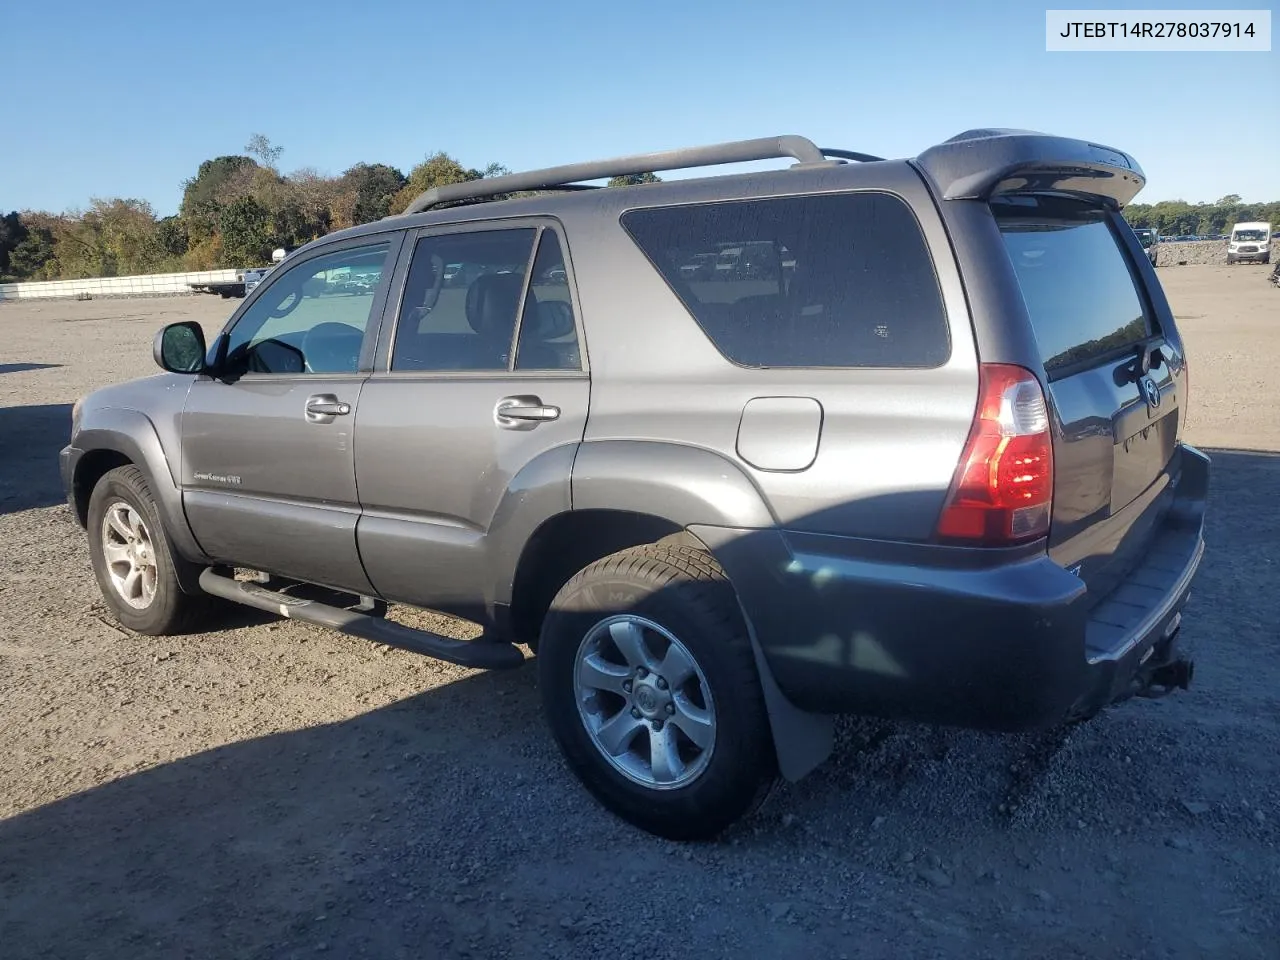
[739, 151]
[850, 155]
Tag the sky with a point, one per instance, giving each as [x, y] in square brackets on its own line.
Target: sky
[126, 99]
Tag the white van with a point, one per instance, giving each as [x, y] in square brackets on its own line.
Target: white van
[1250, 241]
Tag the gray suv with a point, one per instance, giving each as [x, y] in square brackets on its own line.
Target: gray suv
[731, 455]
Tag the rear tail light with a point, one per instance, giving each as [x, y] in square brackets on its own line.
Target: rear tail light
[1002, 493]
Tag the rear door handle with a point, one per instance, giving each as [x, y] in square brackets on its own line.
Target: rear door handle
[523, 412]
[323, 407]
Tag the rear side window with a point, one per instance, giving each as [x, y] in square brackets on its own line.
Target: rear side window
[830, 280]
[461, 300]
[1075, 278]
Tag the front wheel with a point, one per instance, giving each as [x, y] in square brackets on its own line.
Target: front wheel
[649, 685]
[132, 557]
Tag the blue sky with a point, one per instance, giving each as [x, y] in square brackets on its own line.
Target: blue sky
[126, 99]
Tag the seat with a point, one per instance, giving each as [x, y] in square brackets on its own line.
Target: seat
[548, 337]
[332, 347]
[492, 301]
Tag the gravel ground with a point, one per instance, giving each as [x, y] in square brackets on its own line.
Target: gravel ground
[273, 790]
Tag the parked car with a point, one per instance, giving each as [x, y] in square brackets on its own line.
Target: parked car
[932, 470]
[1149, 240]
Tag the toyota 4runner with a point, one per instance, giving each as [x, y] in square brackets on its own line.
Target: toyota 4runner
[922, 460]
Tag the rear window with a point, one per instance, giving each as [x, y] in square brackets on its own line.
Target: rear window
[1075, 278]
[833, 280]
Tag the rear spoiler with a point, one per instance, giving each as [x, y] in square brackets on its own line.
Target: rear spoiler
[981, 164]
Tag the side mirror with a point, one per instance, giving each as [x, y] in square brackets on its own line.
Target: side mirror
[179, 348]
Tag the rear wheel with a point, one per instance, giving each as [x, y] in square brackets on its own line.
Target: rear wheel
[132, 558]
[649, 685]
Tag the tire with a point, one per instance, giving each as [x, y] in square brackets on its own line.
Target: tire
[121, 495]
[658, 593]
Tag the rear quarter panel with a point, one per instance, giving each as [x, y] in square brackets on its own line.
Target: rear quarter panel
[890, 439]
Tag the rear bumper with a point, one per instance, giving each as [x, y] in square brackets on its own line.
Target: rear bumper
[1013, 646]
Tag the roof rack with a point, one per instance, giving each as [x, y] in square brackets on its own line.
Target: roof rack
[568, 177]
[851, 155]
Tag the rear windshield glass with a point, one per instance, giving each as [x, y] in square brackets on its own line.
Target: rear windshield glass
[834, 280]
[1075, 280]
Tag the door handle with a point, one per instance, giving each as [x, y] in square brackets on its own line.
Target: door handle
[323, 407]
[523, 412]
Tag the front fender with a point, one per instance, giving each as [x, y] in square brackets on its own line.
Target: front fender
[132, 434]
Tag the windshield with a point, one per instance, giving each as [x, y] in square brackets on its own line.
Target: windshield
[1249, 235]
[1145, 237]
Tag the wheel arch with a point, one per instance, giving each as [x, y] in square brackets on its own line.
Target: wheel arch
[113, 437]
[566, 543]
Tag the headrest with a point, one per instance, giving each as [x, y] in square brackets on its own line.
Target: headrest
[492, 300]
[553, 320]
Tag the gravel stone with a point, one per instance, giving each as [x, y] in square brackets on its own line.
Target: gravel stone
[218, 801]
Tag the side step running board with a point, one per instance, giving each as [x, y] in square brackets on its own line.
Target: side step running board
[481, 654]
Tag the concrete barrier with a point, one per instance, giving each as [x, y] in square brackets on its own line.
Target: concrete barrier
[146, 285]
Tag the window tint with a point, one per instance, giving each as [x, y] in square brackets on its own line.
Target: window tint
[548, 336]
[461, 299]
[838, 280]
[1075, 279]
[312, 318]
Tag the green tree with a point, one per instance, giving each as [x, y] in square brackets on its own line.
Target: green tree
[371, 186]
[171, 236]
[12, 232]
[210, 179]
[634, 179]
[439, 170]
[246, 231]
[34, 257]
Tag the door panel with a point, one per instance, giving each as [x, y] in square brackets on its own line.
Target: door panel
[435, 469]
[268, 468]
[269, 489]
[470, 429]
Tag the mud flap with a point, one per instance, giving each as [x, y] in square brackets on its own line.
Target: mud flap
[801, 740]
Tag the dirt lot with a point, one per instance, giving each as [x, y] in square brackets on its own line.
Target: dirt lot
[272, 790]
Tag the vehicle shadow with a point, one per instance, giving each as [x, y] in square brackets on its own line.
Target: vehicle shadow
[283, 842]
[24, 367]
[406, 827]
[33, 436]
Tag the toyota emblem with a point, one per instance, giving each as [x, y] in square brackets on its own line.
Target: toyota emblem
[1150, 392]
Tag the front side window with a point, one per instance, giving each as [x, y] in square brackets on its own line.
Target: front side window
[312, 318]
[825, 280]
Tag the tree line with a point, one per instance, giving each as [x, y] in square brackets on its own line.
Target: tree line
[234, 212]
[1179, 218]
[239, 207]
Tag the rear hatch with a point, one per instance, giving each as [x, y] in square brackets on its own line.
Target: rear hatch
[1116, 383]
